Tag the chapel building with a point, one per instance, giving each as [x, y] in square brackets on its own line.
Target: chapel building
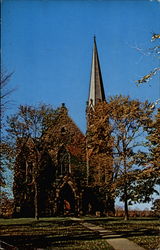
[66, 183]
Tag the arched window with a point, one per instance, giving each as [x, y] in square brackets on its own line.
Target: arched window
[63, 161]
[29, 174]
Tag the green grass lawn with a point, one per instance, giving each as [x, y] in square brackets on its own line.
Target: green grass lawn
[56, 233]
[143, 231]
[50, 233]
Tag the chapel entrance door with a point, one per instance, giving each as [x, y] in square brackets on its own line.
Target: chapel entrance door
[67, 200]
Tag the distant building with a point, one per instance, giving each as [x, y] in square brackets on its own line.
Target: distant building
[64, 183]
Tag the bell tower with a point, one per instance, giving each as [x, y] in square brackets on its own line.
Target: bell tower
[99, 159]
[96, 95]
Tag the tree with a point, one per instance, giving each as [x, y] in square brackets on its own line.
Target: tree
[99, 154]
[154, 139]
[129, 119]
[156, 207]
[5, 149]
[151, 171]
[26, 132]
[5, 91]
[6, 160]
[6, 209]
[117, 140]
[155, 52]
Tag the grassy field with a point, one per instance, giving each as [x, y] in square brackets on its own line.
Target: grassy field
[56, 233]
[143, 231]
[50, 233]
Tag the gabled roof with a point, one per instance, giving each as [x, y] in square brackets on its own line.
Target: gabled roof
[65, 132]
[96, 91]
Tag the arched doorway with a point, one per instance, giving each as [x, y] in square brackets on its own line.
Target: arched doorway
[66, 204]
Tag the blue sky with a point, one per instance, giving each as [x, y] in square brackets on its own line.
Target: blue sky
[48, 44]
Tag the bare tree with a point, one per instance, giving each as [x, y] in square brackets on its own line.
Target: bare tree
[5, 91]
[154, 51]
[4, 147]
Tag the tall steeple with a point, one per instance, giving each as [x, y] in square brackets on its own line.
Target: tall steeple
[96, 90]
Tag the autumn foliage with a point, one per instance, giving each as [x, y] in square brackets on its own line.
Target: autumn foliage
[119, 157]
[118, 149]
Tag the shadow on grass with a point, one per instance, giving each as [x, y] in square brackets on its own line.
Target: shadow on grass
[44, 234]
[136, 233]
[43, 241]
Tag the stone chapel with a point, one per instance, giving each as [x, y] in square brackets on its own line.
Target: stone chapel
[64, 187]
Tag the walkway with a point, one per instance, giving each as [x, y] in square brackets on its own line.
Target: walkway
[115, 240]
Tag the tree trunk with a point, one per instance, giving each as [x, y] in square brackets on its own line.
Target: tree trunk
[36, 201]
[36, 168]
[126, 215]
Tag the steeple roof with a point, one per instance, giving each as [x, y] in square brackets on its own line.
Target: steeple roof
[96, 91]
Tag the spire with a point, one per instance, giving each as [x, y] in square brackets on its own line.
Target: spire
[96, 91]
